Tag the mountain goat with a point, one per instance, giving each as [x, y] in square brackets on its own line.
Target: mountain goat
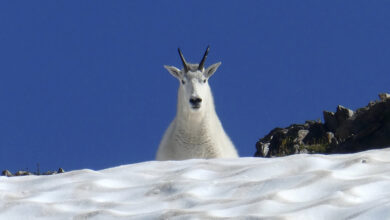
[196, 131]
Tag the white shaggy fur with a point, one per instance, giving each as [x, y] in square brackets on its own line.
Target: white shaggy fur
[196, 131]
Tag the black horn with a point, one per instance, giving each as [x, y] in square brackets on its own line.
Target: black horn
[201, 64]
[183, 60]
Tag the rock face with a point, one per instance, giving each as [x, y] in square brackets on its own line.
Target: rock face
[7, 173]
[343, 131]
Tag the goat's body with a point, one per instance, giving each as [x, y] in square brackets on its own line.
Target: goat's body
[195, 135]
[196, 131]
[191, 138]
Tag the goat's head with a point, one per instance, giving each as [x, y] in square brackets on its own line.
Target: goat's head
[193, 80]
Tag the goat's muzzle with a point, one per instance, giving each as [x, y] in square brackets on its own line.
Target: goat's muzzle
[195, 102]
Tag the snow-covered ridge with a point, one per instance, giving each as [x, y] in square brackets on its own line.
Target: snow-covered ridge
[294, 187]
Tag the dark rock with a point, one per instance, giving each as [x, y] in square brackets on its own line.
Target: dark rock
[49, 173]
[26, 173]
[6, 173]
[344, 117]
[317, 134]
[345, 131]
[384, 96]
[370, 129]
[343, 113]
[23, 173]
[330, 121]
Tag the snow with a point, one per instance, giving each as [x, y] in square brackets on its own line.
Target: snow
[350, 186]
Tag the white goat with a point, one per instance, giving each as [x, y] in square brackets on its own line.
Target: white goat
[196, 131]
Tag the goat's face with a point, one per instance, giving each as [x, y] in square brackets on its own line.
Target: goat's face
[194, 87]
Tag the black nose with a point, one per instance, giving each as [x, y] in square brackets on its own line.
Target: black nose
[195, 100]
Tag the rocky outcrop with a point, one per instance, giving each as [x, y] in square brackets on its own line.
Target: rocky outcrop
[7, 173]
[343, 131]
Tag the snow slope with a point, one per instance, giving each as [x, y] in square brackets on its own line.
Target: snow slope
[295, 187]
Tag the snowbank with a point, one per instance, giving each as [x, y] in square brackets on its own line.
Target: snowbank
[294, 187]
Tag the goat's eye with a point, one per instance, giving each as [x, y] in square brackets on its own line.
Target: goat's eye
[204, 81]
[182, 81]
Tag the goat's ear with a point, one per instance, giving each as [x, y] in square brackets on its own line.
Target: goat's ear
[211, 69]
[174, 71]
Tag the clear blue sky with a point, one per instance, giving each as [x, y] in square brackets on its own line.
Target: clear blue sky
[82, 83]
